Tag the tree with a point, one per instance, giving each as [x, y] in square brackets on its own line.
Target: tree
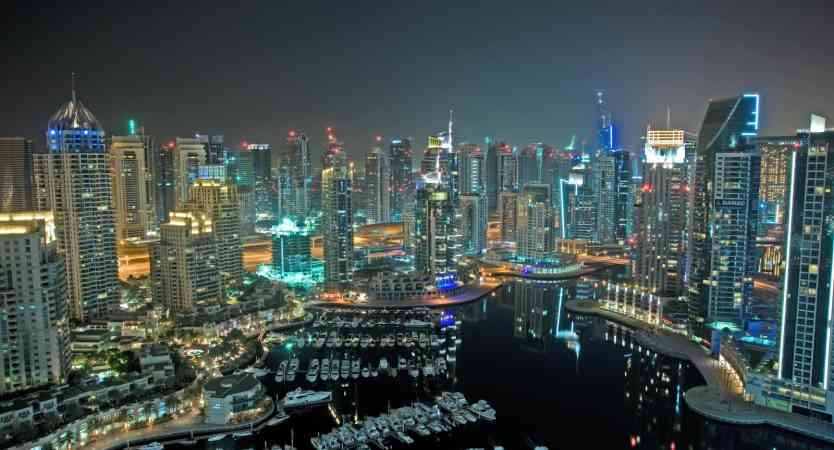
[236, 335]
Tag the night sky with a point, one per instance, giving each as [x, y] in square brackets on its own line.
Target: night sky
[518, 71]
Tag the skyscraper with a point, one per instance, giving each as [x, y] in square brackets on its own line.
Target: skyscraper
[606, 135]
[434, 228]
[775, 153]
[220, 201]
[132, 199]
[472, 169]
[507, 168]
[807, 304]
[473, 217]
[338, 222]
[291, 248]
[661, 249]
[295, 174]
[184, 262]
[262, 178]
[402, 178]
[213, 145]
[164, 190]
[16, 193]
[534, 223]
[507, 215]
[35, 319]
[491, 178]
[187, 157]
[377, 179]
[74, 181]
[727, 124]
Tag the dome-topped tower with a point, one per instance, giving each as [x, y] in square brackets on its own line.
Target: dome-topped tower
[72, 116]
[74, 129]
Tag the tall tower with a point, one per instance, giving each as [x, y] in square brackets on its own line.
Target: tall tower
[377, 179]
[16, 175]
[338, 222]
[262, 178]
[534, 229]
[187, 157]
[491, 178]
[132, 199]
[74, 181]
[727, 125]
[434, 228]
[221, 202]
[806, 337]
[185, 275]
[402, 178]
[606, 134]
[661, 252]
[296, 176]
[507, 168]
[33, 300]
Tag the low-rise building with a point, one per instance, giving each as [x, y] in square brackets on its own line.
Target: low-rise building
[231, 398]
[155, 360]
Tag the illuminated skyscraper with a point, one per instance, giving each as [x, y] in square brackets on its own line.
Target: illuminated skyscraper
[262, 178]
[606, 134]
[164, 190]
[806, 338]
[16, 191]
[291, 248]
[507, 168]
[220, 201]
[491, 178]
[73, 180]
[472, 169]
[184, 263]
[187, 156]
[775, 153]
[377, 179]
[507, 215]
[296, 175]
[338, 226]
[434, 229]
[132, 187]
[402, 177]
[35, 319]
[473, 218]
[215, 153]
[728, 123]
[664, 194]
[534, 229]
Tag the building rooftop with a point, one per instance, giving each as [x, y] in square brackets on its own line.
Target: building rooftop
[74, 115]
[231, 384]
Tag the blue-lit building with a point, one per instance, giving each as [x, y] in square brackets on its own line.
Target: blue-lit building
[727, 126]
[291, 249]
[434, 225]
[73, 180]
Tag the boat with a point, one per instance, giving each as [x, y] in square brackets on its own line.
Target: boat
[241, 434]
[301, 398]
[404, 438]
[355, 369]
[278, 419]
[483, 409]
[428, 369]
[152, 446]
[334, 369]
[365, 372]
[414, 323]
[412, 369]
[383, 363]
[345, 367]
[374, 372]
[325, 369]
[216, 437]
[401, 364]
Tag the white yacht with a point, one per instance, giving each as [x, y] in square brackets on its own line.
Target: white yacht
[354, 369]
[300, 398]
[401, 364]
[483, 409]
[383, 363]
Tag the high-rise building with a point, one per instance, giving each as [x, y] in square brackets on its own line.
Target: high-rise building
[338, 226]
[187, 157]
[606, 134]
[291, 248]
[215, 153]
[775, 153]
[164, 190]
[35, 321]
[295, 174]
[507, 168]
[807, 303]
[16, 174]
[534, 223]
[244, 170]
[184, 262]
[73, 180]
[661, 246]
[507, 215]
[473, 217]
[262, 178]
[727, 125]
[377, 179]
[491, 178]
[611, 172]
[132, 198]
[434, 228]
[472, 169]
[402, 177]
[221, 202]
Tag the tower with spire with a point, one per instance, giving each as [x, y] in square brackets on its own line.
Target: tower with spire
[73, 180]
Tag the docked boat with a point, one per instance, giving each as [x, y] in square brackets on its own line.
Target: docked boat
[383, 363]
[300, 398]
[334, 369]
[345, 368]
[153, 446]
[355, 369]
[278, 419]
[483, 409]
[279, 375]
[428, 369]
[365, 372]
[325, 369]
[216, 437]
[401, 364]
[415, 323]
[412, 369]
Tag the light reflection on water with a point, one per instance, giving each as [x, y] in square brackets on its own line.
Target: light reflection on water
[553, 378]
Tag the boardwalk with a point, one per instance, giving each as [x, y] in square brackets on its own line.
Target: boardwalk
[468, 293]
[720, 399]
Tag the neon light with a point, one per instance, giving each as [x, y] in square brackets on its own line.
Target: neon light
[610, 136]
[562, 207]
[131, 127]
[788, 271]
[754, 123]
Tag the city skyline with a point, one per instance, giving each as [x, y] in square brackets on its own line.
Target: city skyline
[497, 85]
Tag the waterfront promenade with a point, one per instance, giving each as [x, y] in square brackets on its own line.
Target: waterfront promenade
[720, 399]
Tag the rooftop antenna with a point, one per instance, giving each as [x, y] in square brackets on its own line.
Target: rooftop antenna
[72, 82]
[668, 117]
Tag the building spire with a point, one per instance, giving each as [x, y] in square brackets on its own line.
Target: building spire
[72, 82]
[668, 117]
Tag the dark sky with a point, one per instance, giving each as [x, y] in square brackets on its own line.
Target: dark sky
[520, 71]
